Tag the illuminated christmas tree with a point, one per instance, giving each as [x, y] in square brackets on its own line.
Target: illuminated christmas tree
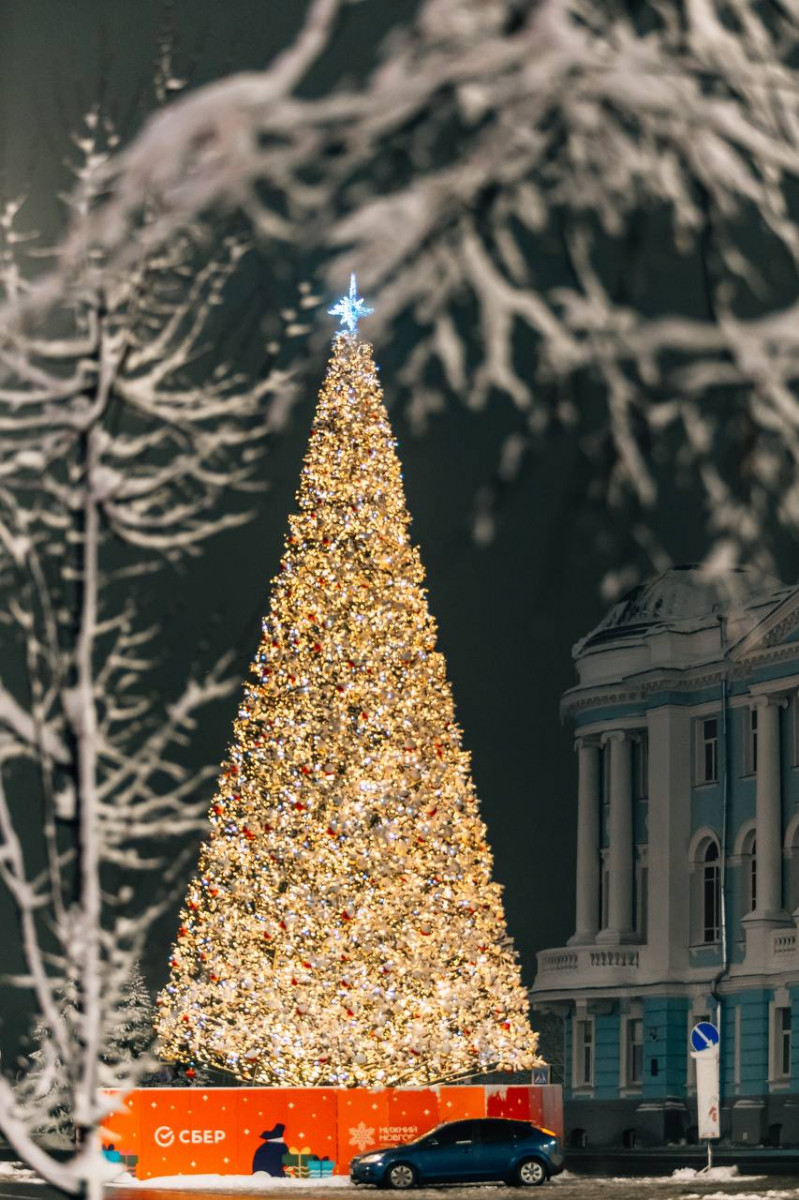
[343, 926]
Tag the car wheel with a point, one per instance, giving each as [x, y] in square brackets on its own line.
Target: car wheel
[531, 1173]
[401, 1176]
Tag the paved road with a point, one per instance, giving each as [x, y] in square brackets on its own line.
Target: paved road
[568, 1187]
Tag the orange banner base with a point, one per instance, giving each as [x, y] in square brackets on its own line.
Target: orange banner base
[306, 1133]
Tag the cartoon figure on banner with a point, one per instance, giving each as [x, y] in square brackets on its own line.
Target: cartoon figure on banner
[269, 1157]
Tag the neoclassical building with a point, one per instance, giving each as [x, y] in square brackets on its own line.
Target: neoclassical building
[686, 721]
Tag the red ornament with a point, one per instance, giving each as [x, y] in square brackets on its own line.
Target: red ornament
[191, 1073]
[317, 648]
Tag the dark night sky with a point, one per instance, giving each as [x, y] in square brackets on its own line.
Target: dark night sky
[508, 614]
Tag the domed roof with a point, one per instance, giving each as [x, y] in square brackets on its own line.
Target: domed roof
[683, 598]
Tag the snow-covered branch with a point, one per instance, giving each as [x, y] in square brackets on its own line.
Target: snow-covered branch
[551, 149]
[120, 434]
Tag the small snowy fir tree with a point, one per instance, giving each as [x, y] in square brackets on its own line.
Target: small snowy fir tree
[45, 1094]
[131, 1035]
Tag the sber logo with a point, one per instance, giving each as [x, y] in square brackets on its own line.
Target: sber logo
[165, 1136]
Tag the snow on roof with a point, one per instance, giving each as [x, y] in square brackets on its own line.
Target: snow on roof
[685, 599]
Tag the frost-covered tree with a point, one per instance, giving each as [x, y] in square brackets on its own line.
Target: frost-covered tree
[43, 1092]
[119, 435]
[585, 208]
[130, 1039]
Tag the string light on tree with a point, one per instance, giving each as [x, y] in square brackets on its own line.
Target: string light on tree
[343, 926]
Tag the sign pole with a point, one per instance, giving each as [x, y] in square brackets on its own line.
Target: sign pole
[705, 1053]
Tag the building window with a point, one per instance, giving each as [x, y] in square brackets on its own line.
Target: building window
[795, 731]
[641, 895]
[708, 751]
[584, 1053]
[604, 777]
[736, 1055]
[781, 1042]
[749, 873]
[750, 741]
[604, 891]
[711, 895]
[634, 1051]
[641, 767]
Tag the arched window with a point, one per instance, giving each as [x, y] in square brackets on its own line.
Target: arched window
[705, 903]
[747, 849]
[711, 894]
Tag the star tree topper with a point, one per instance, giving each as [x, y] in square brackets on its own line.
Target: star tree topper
[350, 308]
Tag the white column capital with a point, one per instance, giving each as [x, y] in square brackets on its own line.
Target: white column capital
[586, 741]
[614, 735]
[769, 700]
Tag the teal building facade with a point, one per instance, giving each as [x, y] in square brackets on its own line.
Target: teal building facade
[686, 722]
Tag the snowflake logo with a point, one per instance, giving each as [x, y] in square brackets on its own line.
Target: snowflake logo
[361, 1136]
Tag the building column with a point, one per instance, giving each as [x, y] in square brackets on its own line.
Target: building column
[620, 842]
[587, 897]
[769, 809]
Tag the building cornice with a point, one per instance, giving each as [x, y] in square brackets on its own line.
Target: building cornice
[638, 688]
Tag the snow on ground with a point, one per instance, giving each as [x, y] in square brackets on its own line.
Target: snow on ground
[260, 1182]
[713, 1174]
[769, 1194]
[18, 1172]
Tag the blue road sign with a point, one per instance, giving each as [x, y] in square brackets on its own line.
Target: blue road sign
[704, 1036]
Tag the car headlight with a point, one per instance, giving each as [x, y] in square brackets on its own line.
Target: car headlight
[371, 1158]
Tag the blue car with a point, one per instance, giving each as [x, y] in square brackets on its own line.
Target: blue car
[475, 1151]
